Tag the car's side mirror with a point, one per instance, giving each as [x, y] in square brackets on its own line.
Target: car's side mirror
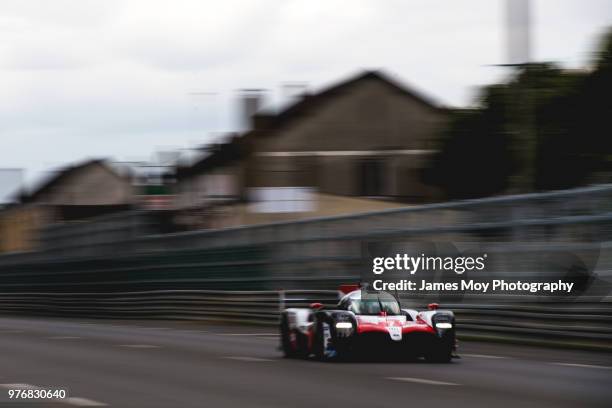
[433, 306]
[316, 305]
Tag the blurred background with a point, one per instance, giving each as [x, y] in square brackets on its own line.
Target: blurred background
[270, 146]
[175, 174]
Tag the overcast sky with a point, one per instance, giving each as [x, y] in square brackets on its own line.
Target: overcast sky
[123, 79]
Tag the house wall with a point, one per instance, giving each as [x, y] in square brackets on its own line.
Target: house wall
[91, 185]
[19, 227]
[326, 148]
[218, 184]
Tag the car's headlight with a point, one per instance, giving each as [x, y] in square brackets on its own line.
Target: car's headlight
[444, 325]
[344, 325]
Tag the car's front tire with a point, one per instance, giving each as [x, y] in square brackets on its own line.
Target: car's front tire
[440, 352]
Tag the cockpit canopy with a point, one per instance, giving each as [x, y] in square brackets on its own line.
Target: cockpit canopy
[362, 302]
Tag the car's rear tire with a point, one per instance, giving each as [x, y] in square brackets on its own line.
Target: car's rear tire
[288, 349]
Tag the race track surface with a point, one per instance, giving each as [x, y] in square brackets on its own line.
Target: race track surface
[174, 365]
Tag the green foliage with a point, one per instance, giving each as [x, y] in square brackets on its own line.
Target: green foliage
[545, 128]
[474, 142]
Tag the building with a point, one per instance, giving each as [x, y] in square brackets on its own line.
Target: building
[78, 192]
[357, 146]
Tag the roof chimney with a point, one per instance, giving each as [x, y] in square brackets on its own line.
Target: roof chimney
[251, 101]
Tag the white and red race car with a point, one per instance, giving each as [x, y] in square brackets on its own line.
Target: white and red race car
[367, 323]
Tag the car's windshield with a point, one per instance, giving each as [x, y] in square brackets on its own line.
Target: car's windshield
[374, 304]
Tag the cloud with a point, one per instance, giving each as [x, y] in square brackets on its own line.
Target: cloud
[63, 13]
[117, 78]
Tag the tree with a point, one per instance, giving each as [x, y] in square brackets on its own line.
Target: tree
[475, 159]
[545, 128]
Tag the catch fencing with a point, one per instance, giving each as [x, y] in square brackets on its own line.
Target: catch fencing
[90, 270]
[577, 215]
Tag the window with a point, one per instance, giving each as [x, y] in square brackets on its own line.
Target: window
[371, 178]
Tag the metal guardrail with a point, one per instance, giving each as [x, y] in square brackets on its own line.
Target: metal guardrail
[585, 325]
[232, 306]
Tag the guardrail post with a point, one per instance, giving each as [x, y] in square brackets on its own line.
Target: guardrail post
[281, 301]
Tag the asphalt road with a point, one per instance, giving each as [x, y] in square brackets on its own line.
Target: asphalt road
[170, 364]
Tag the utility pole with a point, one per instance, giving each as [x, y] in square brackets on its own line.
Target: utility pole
[518, 47]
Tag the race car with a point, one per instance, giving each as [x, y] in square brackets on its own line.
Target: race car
[366, 323]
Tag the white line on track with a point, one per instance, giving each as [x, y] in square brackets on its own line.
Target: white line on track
[421, 381]
[482, 356]
[19, 386]
[584, 366]
[64, 338]
[139, 346]
[83, 402]
[76, 401]
[249, 359]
